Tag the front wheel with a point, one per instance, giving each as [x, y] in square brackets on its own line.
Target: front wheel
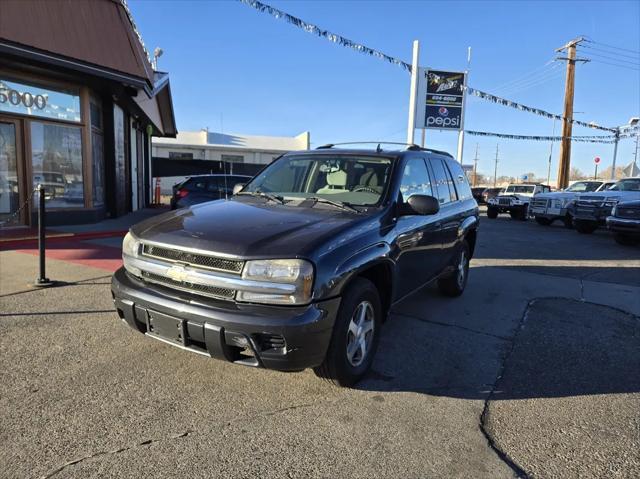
[492, 213]
[454, 284]
[355, 335]
[541, 220]
[585, 227]
[625, 240]
[568, 222]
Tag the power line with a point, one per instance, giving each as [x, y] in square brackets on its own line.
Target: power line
[552, 75]
[526, 76]
[615, 64]
[612, 58]
[609, 52]
[612, 46]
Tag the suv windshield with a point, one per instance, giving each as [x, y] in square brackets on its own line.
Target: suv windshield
[355, 180]
[584, 186]
[627, 185]
[520, 189]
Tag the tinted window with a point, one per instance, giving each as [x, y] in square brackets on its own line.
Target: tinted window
[195, 184]
[442, 180]
[460, 180]
[215, 183]
[415, 179]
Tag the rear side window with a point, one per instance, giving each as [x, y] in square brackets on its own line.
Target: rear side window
[196, 184]
[443, 182]
[460, 180]
[415, 179]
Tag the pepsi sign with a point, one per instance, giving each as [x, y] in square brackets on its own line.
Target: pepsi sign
[441, 101]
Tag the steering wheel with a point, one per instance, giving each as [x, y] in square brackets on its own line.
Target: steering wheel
[365, 188]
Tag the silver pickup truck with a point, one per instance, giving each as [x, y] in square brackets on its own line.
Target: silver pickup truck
[592, 209]
[559, 205]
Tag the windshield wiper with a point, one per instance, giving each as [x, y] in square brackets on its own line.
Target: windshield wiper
[262, 194]
[343, 205]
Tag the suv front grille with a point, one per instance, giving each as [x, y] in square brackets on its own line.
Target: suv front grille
[539, 203]
[201, 260]
[212, 292]
[628, 212]
[504, 201]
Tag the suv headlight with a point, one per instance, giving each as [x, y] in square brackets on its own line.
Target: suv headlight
[297, 272]
[130, 249]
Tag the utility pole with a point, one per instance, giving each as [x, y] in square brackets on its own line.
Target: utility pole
[564, 164]
[615, 154]
[475, 168]
[495, 168]
[413, 95]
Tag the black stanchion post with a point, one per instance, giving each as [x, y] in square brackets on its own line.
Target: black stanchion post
[42, 279]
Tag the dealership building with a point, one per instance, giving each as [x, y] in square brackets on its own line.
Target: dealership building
[204, 151]
[79, 103]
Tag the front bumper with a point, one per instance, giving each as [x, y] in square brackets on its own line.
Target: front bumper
[597, 215]
[240, 333]
[623, 225]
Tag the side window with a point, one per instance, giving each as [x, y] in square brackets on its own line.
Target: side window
[460, 180]
[442, 180]
[214, 184]
[415, 179]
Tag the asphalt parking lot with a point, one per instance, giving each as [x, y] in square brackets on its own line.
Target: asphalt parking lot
[533, 372]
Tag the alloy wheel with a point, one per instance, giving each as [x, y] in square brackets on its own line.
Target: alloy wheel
[360, 333]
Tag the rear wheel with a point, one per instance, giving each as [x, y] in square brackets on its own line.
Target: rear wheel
[625, 240]
[492, 213]
[541, 220]
[355, 335]
[585, 227]
[454, 284]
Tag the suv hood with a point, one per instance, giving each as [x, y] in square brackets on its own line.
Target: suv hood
[558, 195]
[248, 229]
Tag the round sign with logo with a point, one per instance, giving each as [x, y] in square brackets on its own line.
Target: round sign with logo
[596, 160]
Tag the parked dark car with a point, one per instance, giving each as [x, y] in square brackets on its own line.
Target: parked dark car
[490, 193]
[625, 222]
[301, 267]
[201, 188]
[477, 194]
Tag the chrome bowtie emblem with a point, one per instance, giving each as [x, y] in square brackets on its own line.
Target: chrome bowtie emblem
[177, 273]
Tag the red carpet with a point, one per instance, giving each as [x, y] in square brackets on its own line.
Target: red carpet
[80, 252]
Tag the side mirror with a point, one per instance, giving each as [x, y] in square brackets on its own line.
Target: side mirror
[237, 188]
[423, 205]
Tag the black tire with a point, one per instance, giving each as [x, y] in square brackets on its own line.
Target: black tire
[453, 285]
[492, 213]
[524, 213]
[625, 240]
[337, 368]
[541, 220]
[584, 227]
[568, 222]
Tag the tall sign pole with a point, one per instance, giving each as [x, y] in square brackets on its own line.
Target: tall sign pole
[464, 98]
[564, 164]
[495, 168]
[413, 95]
[615, 154]
[475, 167]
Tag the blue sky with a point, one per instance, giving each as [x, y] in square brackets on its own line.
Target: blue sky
[236, 69]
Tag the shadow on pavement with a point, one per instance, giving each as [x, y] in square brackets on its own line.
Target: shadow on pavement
[572, 349]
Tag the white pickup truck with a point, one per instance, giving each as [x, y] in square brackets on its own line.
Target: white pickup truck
[559, 205]
[515, 200]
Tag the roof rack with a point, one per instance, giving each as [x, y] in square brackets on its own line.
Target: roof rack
[408, 146]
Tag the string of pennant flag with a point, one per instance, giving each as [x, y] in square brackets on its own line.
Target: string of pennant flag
[360, 48]
[332, 37]
[583, 139]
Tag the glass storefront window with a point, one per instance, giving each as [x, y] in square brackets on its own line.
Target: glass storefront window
[34, 100]
[56, 153]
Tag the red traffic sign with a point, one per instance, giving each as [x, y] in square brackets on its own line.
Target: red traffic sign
[596, 160]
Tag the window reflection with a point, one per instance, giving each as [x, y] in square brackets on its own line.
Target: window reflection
[57, 163]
